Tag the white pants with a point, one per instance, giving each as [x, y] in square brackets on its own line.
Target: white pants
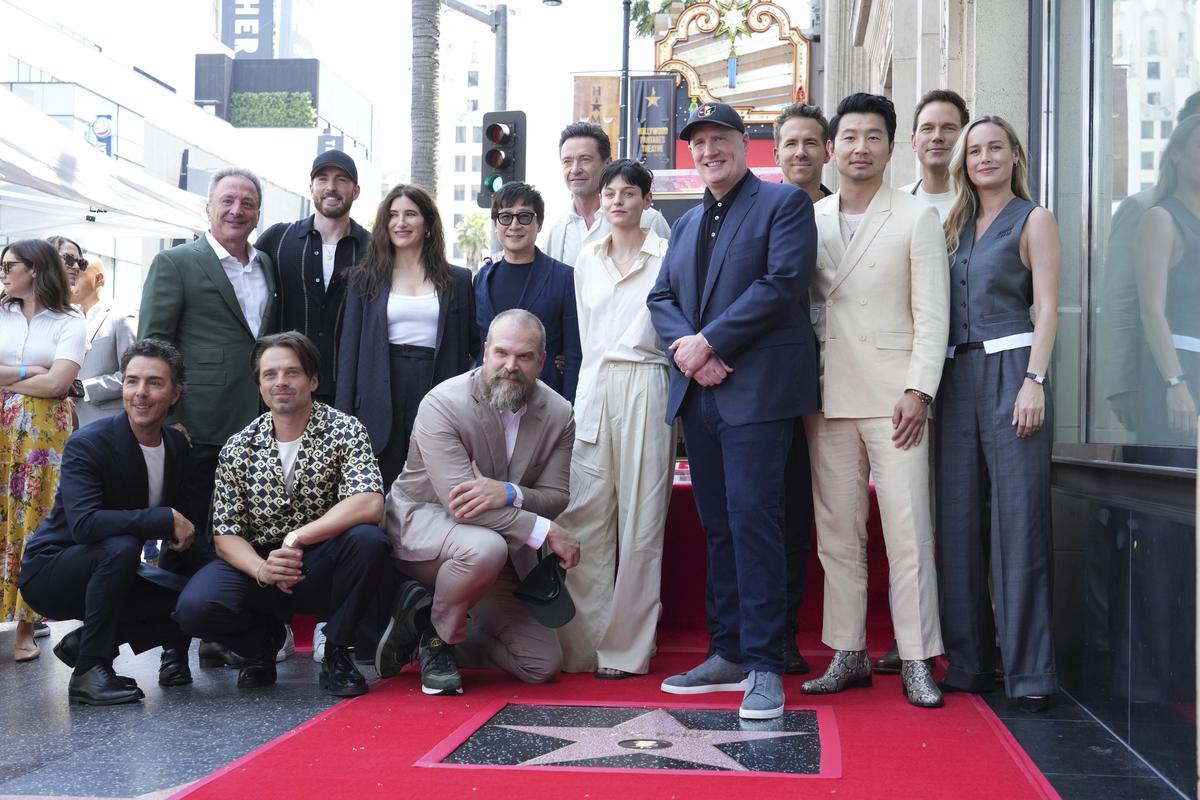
[620, 489]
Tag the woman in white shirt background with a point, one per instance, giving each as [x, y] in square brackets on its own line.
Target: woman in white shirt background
[41, 349]
[621, 463]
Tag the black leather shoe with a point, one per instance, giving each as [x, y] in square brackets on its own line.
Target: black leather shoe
[173, 669]
[339, 676]
[1033, 704]
[410, 614]
[67, 649]
[793, 662]
[260, 670]
[889, 662]
[99, 686]
[213, 654]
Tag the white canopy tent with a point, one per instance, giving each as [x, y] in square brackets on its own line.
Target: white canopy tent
[54, 183]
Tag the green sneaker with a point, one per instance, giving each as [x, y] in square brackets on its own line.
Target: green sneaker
[439, 671]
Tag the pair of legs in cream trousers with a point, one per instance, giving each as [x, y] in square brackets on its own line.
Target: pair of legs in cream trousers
[620, 489]
[845, 454]
[475, 610]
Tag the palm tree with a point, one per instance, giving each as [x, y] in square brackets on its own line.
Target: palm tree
[472, 238]
[643, 16]
[426, 20]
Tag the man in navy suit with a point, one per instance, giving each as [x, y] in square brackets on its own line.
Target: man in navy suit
[528, 278]
[121, 485]
[728, 304]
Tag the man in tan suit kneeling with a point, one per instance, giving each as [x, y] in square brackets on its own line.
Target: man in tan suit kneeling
[488, 468]
[880, 308]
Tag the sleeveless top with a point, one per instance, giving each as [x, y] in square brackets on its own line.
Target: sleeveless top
[991, 291]
[1183, 280]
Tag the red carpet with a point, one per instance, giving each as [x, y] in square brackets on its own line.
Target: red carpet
[875, 744]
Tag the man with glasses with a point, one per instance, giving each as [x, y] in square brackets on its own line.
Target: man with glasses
[528, 278]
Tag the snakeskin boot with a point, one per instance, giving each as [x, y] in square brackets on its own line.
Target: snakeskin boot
[849, 668]
[917, 683]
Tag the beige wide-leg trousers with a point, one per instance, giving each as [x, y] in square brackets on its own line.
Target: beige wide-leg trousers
[845, 453]
[620, 489]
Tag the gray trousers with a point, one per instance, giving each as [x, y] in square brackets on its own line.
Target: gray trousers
[993, 519]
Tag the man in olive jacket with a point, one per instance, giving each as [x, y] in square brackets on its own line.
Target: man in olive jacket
[212, 298]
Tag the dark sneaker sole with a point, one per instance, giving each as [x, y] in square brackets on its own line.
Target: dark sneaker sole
[411, 601]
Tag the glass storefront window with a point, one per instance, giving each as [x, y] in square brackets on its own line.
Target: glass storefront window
[1144, 283]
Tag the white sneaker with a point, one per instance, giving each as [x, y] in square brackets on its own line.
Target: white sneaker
[319, 642]
[289, 646]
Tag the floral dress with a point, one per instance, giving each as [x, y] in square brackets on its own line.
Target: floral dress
[33, 432]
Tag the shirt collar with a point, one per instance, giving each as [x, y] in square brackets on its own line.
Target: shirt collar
[729, 197]
[508, 416]
[264, 427]
[223, 254]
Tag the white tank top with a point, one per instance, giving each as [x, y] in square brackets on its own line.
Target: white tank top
[413, 320]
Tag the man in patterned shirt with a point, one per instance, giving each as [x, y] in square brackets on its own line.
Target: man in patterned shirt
[296, 510]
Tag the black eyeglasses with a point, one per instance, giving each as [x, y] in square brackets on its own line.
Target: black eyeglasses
[72, 261]
[506, 218]
[7, 266]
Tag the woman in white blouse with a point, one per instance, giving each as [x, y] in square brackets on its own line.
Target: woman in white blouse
[621, 464]
[41, 348]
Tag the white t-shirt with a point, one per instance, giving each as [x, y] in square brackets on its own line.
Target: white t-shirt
[155, 460]
[942, 202]
[287, 459]
[849, 224]
[48, 337]
[328, 251]
[413, 319]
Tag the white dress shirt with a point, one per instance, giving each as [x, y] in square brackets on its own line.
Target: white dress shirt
[249, 282]
[48, 337]
[571, 233]
[614, 322]
[511, 422]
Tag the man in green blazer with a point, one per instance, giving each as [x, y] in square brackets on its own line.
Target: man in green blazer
[212, 298]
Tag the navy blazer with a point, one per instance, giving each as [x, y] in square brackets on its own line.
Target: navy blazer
[104, 491]
[364, 366]
[549, 296]
[754, 306]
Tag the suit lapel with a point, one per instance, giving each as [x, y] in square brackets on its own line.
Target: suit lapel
[210, 265]
[130, 455]
[878, 212]
[493, 432]
[539, 275]
[443, 297]
[829, 234]
[264, 263]
[741, 206]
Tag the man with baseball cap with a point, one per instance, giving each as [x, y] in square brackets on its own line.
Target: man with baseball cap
[312, 257]
[743, 367]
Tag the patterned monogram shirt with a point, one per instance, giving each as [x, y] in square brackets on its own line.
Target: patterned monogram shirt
[251, 498]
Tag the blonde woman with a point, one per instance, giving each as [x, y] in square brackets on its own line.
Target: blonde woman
[992, 447]
[1168, 281]
[42, 340]
[621, 464]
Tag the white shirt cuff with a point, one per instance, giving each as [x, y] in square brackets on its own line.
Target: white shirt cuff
[540, 528]
[519, 498]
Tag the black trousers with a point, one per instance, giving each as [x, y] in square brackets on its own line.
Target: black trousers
[224, 605]
[100, 584]
[411, 379]
[198, 493]
[797, 522]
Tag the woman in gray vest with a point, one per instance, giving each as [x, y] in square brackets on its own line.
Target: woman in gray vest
[992, 442]
[1168, 281]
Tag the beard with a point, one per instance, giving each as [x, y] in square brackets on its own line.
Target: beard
[337, 210]
[506, 395]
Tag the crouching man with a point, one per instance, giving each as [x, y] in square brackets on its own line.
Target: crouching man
[488, 468]
[296, 509]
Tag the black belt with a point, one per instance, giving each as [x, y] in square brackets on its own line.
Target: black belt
[410, 351]
[965, 346]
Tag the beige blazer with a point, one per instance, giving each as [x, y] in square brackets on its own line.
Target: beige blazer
[456, 426]
[881, 307]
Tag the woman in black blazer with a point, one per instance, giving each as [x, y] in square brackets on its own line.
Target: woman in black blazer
[408, 324]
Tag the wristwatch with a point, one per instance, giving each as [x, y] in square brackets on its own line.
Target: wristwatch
[293, 540]
[1039, 379]
[1178, 379]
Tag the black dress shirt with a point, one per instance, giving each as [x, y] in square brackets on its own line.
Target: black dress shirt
[715, 212]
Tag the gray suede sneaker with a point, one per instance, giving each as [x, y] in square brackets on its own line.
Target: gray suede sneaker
[764, 696]
[714, 675]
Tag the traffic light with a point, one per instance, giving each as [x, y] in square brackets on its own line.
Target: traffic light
[503, 152]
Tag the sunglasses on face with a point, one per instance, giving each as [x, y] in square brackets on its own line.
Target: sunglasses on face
[525, 218]
[7, 266]
[72, 261]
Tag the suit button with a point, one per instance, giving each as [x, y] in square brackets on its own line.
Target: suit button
[862, 302]
[829, 302]
[862, 338]
[964, 326]
[822, 338]
[820, 266]
[962, 283]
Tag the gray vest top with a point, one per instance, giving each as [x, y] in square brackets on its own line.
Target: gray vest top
[1183, 281]
[991, 291]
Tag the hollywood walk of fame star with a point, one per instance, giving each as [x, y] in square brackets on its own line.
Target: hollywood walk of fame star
[655, 733]
[653, 98]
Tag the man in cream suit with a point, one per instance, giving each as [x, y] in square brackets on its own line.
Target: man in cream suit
[488, 469]
[110, 330]
[880, 309]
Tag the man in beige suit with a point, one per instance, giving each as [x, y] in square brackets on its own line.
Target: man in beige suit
[880, 310]
[488, 468]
